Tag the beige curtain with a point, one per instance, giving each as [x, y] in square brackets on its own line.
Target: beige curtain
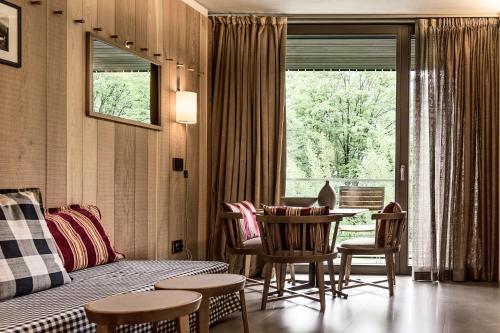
[247, 114]
[455, 149]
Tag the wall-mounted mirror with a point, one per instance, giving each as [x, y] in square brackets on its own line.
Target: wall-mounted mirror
[122, 85]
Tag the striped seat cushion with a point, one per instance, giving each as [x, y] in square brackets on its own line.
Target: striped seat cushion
[81, 240]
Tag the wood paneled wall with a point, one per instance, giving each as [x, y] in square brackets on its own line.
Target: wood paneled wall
[49, 142]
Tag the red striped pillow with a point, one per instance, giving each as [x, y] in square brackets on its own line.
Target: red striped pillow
[81, 240]
[249, 223]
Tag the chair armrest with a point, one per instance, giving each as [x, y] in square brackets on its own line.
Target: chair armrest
[231, 215]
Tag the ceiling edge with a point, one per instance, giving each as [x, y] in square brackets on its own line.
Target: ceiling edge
[197, 6]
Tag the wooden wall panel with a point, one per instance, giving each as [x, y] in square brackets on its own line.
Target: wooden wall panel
[155, 28]
[56, 105]
[125, 189]
[141, 25]
[75, 98]
[141, 193]
[125, 21]
[106, 175]
[153, 188]
[106, 17]
[127, 171]
[203, 139]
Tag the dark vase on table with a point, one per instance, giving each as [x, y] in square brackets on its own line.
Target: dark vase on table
[327, 196]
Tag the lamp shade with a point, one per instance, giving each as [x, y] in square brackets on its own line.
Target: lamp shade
[186, 103]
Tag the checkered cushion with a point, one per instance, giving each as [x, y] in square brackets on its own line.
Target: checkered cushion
[28, 256]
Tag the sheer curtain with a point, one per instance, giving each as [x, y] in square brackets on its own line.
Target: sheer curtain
[456, 141]
[248, 114]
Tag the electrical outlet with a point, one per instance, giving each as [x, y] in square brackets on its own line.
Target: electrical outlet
[177, 246]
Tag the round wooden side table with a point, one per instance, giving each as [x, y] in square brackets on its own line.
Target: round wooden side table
[209, 285]
[143, 307]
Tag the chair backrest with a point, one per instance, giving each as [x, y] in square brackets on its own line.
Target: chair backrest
[297, 236]
[392, 226]
[233, 229]
[361, 197]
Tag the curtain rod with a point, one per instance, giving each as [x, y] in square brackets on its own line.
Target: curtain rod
[351, 18]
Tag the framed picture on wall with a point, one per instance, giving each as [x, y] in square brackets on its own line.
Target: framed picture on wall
[10, 34]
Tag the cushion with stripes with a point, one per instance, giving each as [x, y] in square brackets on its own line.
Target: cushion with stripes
[28, 255]
[80, 237]
[248, 224]
[391, 207]
[292, 235]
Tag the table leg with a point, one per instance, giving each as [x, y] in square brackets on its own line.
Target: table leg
[203, 316]
[105, 329]
[183, 324]
[312, 275]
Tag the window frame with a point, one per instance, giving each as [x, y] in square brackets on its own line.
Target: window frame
[155, 86]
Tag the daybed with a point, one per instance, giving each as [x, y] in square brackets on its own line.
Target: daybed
[60, 309]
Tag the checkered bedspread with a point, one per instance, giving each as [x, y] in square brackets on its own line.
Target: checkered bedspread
[61, 309]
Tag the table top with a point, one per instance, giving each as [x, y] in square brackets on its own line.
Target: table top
[348, 212]
[206, 284]
[145, 306]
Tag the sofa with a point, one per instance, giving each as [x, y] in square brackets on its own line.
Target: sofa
[60, 309]
[54, 261]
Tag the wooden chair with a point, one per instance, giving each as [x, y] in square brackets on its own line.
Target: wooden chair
[389, 225]
[297, 239]
[237, 246]
[371, 198]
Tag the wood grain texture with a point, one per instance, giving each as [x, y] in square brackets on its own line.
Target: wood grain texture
[106, 175]
[125, 21]
[141, 194]
[48, 142]
[155, 28]
[153, 188]
[106, 16]
[203, 139]
[125, 189]
[141, 25]
[56, 105]
[75, 97]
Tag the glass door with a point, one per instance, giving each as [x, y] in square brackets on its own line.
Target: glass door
[347, 98]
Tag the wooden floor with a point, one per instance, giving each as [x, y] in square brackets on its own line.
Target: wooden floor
[421, 307]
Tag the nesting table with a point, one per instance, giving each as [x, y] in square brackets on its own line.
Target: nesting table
[209, 285]
[143, 307]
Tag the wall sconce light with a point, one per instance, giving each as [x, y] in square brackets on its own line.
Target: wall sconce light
[186, 103]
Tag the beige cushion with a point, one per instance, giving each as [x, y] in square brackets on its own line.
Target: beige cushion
[253, 243]
[359, 243]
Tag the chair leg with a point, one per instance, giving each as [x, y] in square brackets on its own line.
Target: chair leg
[244, 310]
[343, 263]
[282, 278]
[331, 271]
[394, 270]
[268, 268]
[320, 277]
[292, 274]
[247, 260]
[348, 269]
[389, 262]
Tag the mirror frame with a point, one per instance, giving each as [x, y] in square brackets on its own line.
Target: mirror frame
[155, 110]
